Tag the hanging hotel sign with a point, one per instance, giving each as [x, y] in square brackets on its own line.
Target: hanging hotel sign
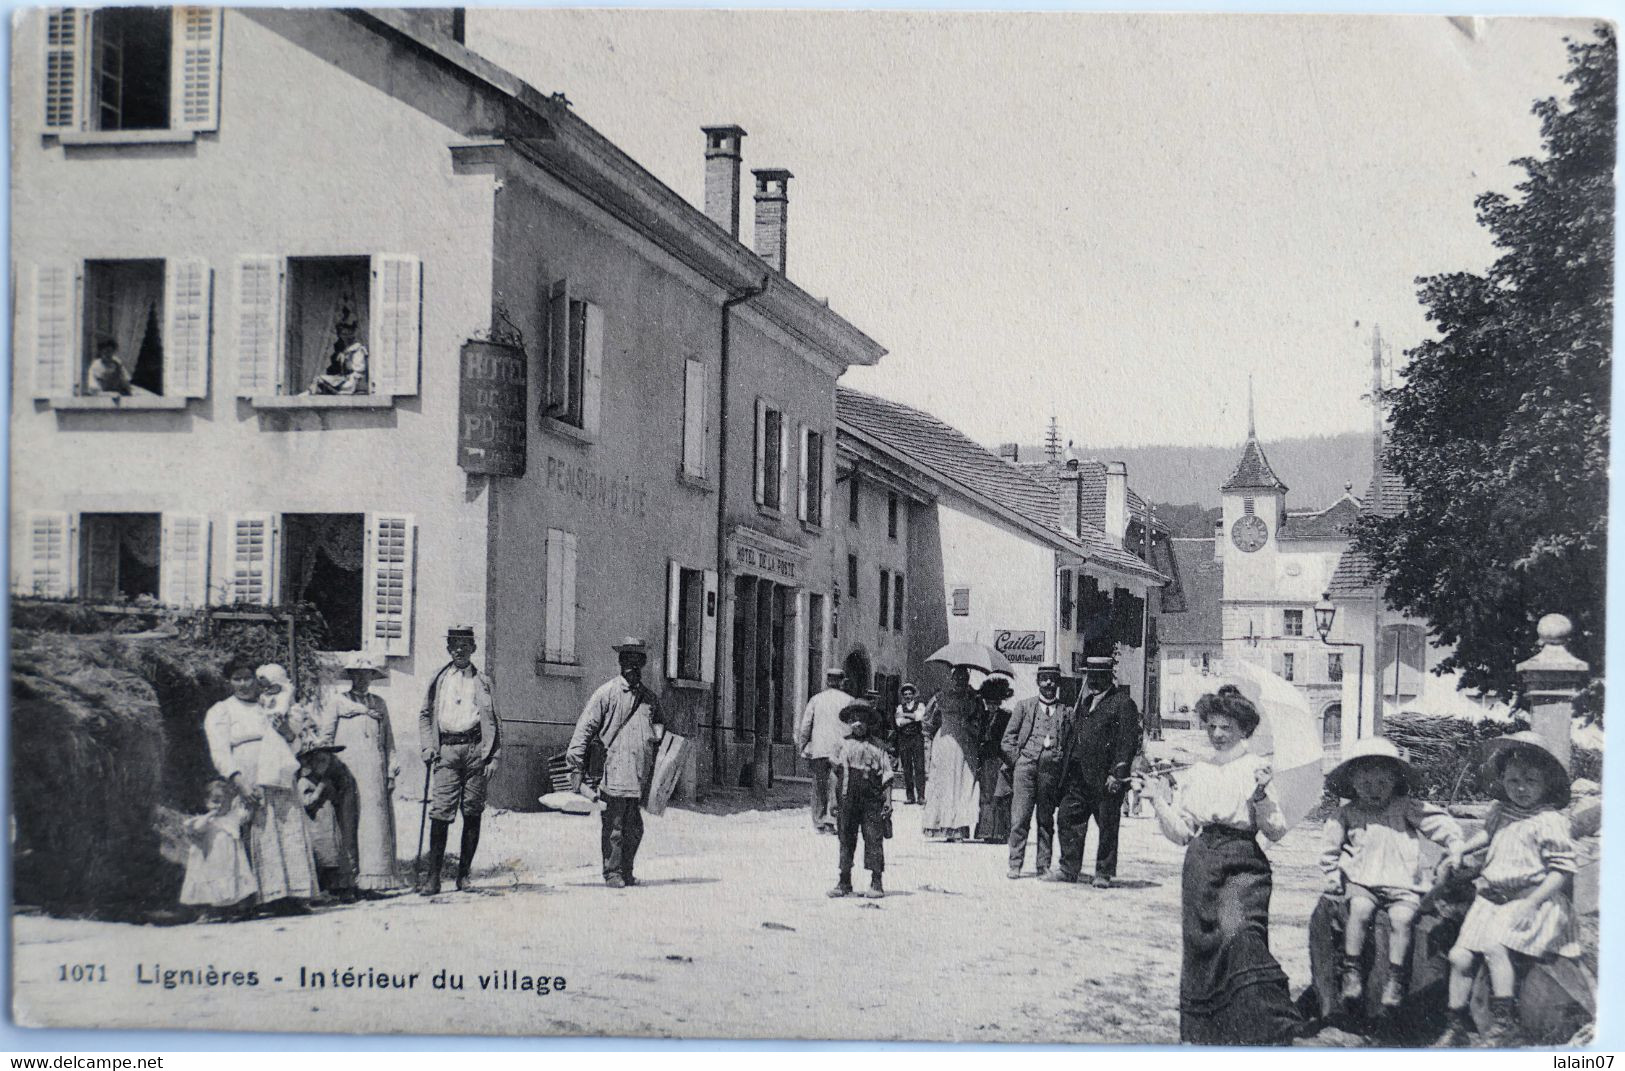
[756, 552]
[1024, 646]
[491, 409]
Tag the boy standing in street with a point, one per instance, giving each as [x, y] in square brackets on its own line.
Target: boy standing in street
[863, 780]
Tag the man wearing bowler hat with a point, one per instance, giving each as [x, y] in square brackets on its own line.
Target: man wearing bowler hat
[1032, 747]
[460, 738]
[622, 719]
[1097, 749]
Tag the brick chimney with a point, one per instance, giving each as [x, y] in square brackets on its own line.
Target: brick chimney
[1071, 498]
[722, 145]
[1010, 452]
[1116, 522]
[772, 208]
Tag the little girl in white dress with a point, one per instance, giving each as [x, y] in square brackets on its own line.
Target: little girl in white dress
[218, 877]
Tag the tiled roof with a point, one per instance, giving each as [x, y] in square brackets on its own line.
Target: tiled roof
[1330, 523]
[1385, 498]
[936, 448]
[1093, 474]
[1253, 472]
[1202, 580]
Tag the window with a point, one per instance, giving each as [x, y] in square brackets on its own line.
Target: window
[1289, 666]
[852, 576]
[694, 419]
[119, 556]
[897, 602]
[323, 556]
[1064, 589]
[1292, 623]
[575, 360]
[110, 556]
[885, 599]
[1334, 667]
[1207, 662]
[132, 69]
[559, 599]
[341, 326]
[772, 456]
[813, 492]
[961, 602]
[852, 498]
[691, 624]
[891, 516]
[815, 643]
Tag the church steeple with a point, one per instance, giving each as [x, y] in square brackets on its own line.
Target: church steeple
[1253, 472]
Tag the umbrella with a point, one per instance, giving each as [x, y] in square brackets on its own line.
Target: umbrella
[1289, 734]
[977, 656]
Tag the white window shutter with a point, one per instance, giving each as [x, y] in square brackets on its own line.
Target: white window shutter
[694, 452]
[257, 314]
[804, 488]
[592, 370]
[708, 630]
[183, 571]
[555, 375]
[52, 560]
[827, 478]
[56, 289]
[251, 554]
[64, 68]
[784, 459]
[761, 452]
[386, 612]
[567, 600]
[186, 335]
[553, 555]
[99, 543]
[194, 95]
[396, 318]
[674, 617]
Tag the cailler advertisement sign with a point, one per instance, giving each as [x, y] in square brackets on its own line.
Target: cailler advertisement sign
[1019, 645]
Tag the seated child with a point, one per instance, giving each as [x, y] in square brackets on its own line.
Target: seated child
[1523, 904]
[863, 780]
[331, 797]
[218, 877]
[1373, 855]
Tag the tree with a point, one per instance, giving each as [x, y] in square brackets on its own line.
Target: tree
[1500, 428]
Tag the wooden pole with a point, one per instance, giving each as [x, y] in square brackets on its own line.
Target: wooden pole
[1376, 494]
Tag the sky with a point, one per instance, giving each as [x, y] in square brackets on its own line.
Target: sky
[1111, 219]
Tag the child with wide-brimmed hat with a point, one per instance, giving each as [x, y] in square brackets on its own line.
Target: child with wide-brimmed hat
[1524, 900]
[863, 781]
[1373, 856]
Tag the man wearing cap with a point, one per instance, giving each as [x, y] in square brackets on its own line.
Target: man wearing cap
[910, 722]
[1032, 747]
[460, 737]
[820, 734]
[1097, 749]
[622, 718]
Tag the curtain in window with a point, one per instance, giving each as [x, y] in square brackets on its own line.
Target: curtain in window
[139, 536]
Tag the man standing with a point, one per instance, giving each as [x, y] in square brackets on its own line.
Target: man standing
[622, 719]
[460, 737]
[1101, 739]
[1032, 746]
[820, 734]
[910, 722]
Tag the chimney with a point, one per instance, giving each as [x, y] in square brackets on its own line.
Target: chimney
[1218, 540]
[1072, 500]
[1116, 523]
[722, 144]
[772, 207]
[1010, 452]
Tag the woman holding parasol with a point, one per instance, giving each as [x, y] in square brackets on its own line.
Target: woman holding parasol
[954, 721]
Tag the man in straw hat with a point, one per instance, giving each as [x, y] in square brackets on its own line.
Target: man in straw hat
[1032, 747]
[1098, 748]
[460, 739]
[622, 719]
[820, 734]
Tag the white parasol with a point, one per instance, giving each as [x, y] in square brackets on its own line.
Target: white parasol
[1288, 734]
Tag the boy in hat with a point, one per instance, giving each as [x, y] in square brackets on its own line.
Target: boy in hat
[1032, 748]
[1101, 739]
[820, 734]
[863, 780]
[460, 737]
[622, 718]
[910, 722]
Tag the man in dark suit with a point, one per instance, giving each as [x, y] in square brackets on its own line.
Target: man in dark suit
[1032, 748]
[1101, 739]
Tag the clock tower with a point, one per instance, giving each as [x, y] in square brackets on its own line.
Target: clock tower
[1254, 509]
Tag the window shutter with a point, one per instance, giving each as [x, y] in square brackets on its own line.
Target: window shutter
[805, 490]
[386, 613]
[592, 370]
[252, 554]
[897, 602]
[556, 352]
[761, 452]
[674, 602]
[64, 68]
[396, 315]
[98, 540]
[257, 313]
[51, 555]
[784, 460]
[567, 603]
[694, 418]
[56, 329]
[885, 599]
[708, 630]
[186, 314]
[183, 572]
[194, 95]
[827, 481]
[559, 610]
[801, 664]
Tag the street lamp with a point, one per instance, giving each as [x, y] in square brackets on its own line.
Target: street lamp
[1325, 614]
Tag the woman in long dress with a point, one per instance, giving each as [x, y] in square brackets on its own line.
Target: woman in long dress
[358, 721]
[992, 775]
[1231, 989]
[248, 744]
[951, 793]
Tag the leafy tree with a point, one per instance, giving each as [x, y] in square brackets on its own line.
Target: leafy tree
[1500, 428]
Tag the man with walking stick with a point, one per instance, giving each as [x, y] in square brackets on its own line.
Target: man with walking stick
[460, 738]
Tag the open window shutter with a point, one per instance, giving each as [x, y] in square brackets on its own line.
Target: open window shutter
[257, 313]
[827, 482]
[556, 351]
[56, 329]
[592, 370]
[694, 418]
[553, 553]
[567, 600]
[183, 572]
[186, 315]
[708, 630]
[64, 68]
[251, 551]
[784, 460]
[674, 602]
[805, 490]
[194, 93]
[98, 540]
[801, 662]
[396, 318]
[49, 567]
[386, 613]
[761, 452]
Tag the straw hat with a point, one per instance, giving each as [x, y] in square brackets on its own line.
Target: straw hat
[364, 662]
[1371, 751]
[1531, 747]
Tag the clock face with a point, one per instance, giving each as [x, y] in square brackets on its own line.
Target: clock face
[1249, 533]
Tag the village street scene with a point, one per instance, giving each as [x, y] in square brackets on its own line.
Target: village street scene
[1123, 563]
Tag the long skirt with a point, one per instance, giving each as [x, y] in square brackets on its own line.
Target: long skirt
[951, 795]
[1231, 990]
[366, 754]
[281, 855]
[993, 812]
